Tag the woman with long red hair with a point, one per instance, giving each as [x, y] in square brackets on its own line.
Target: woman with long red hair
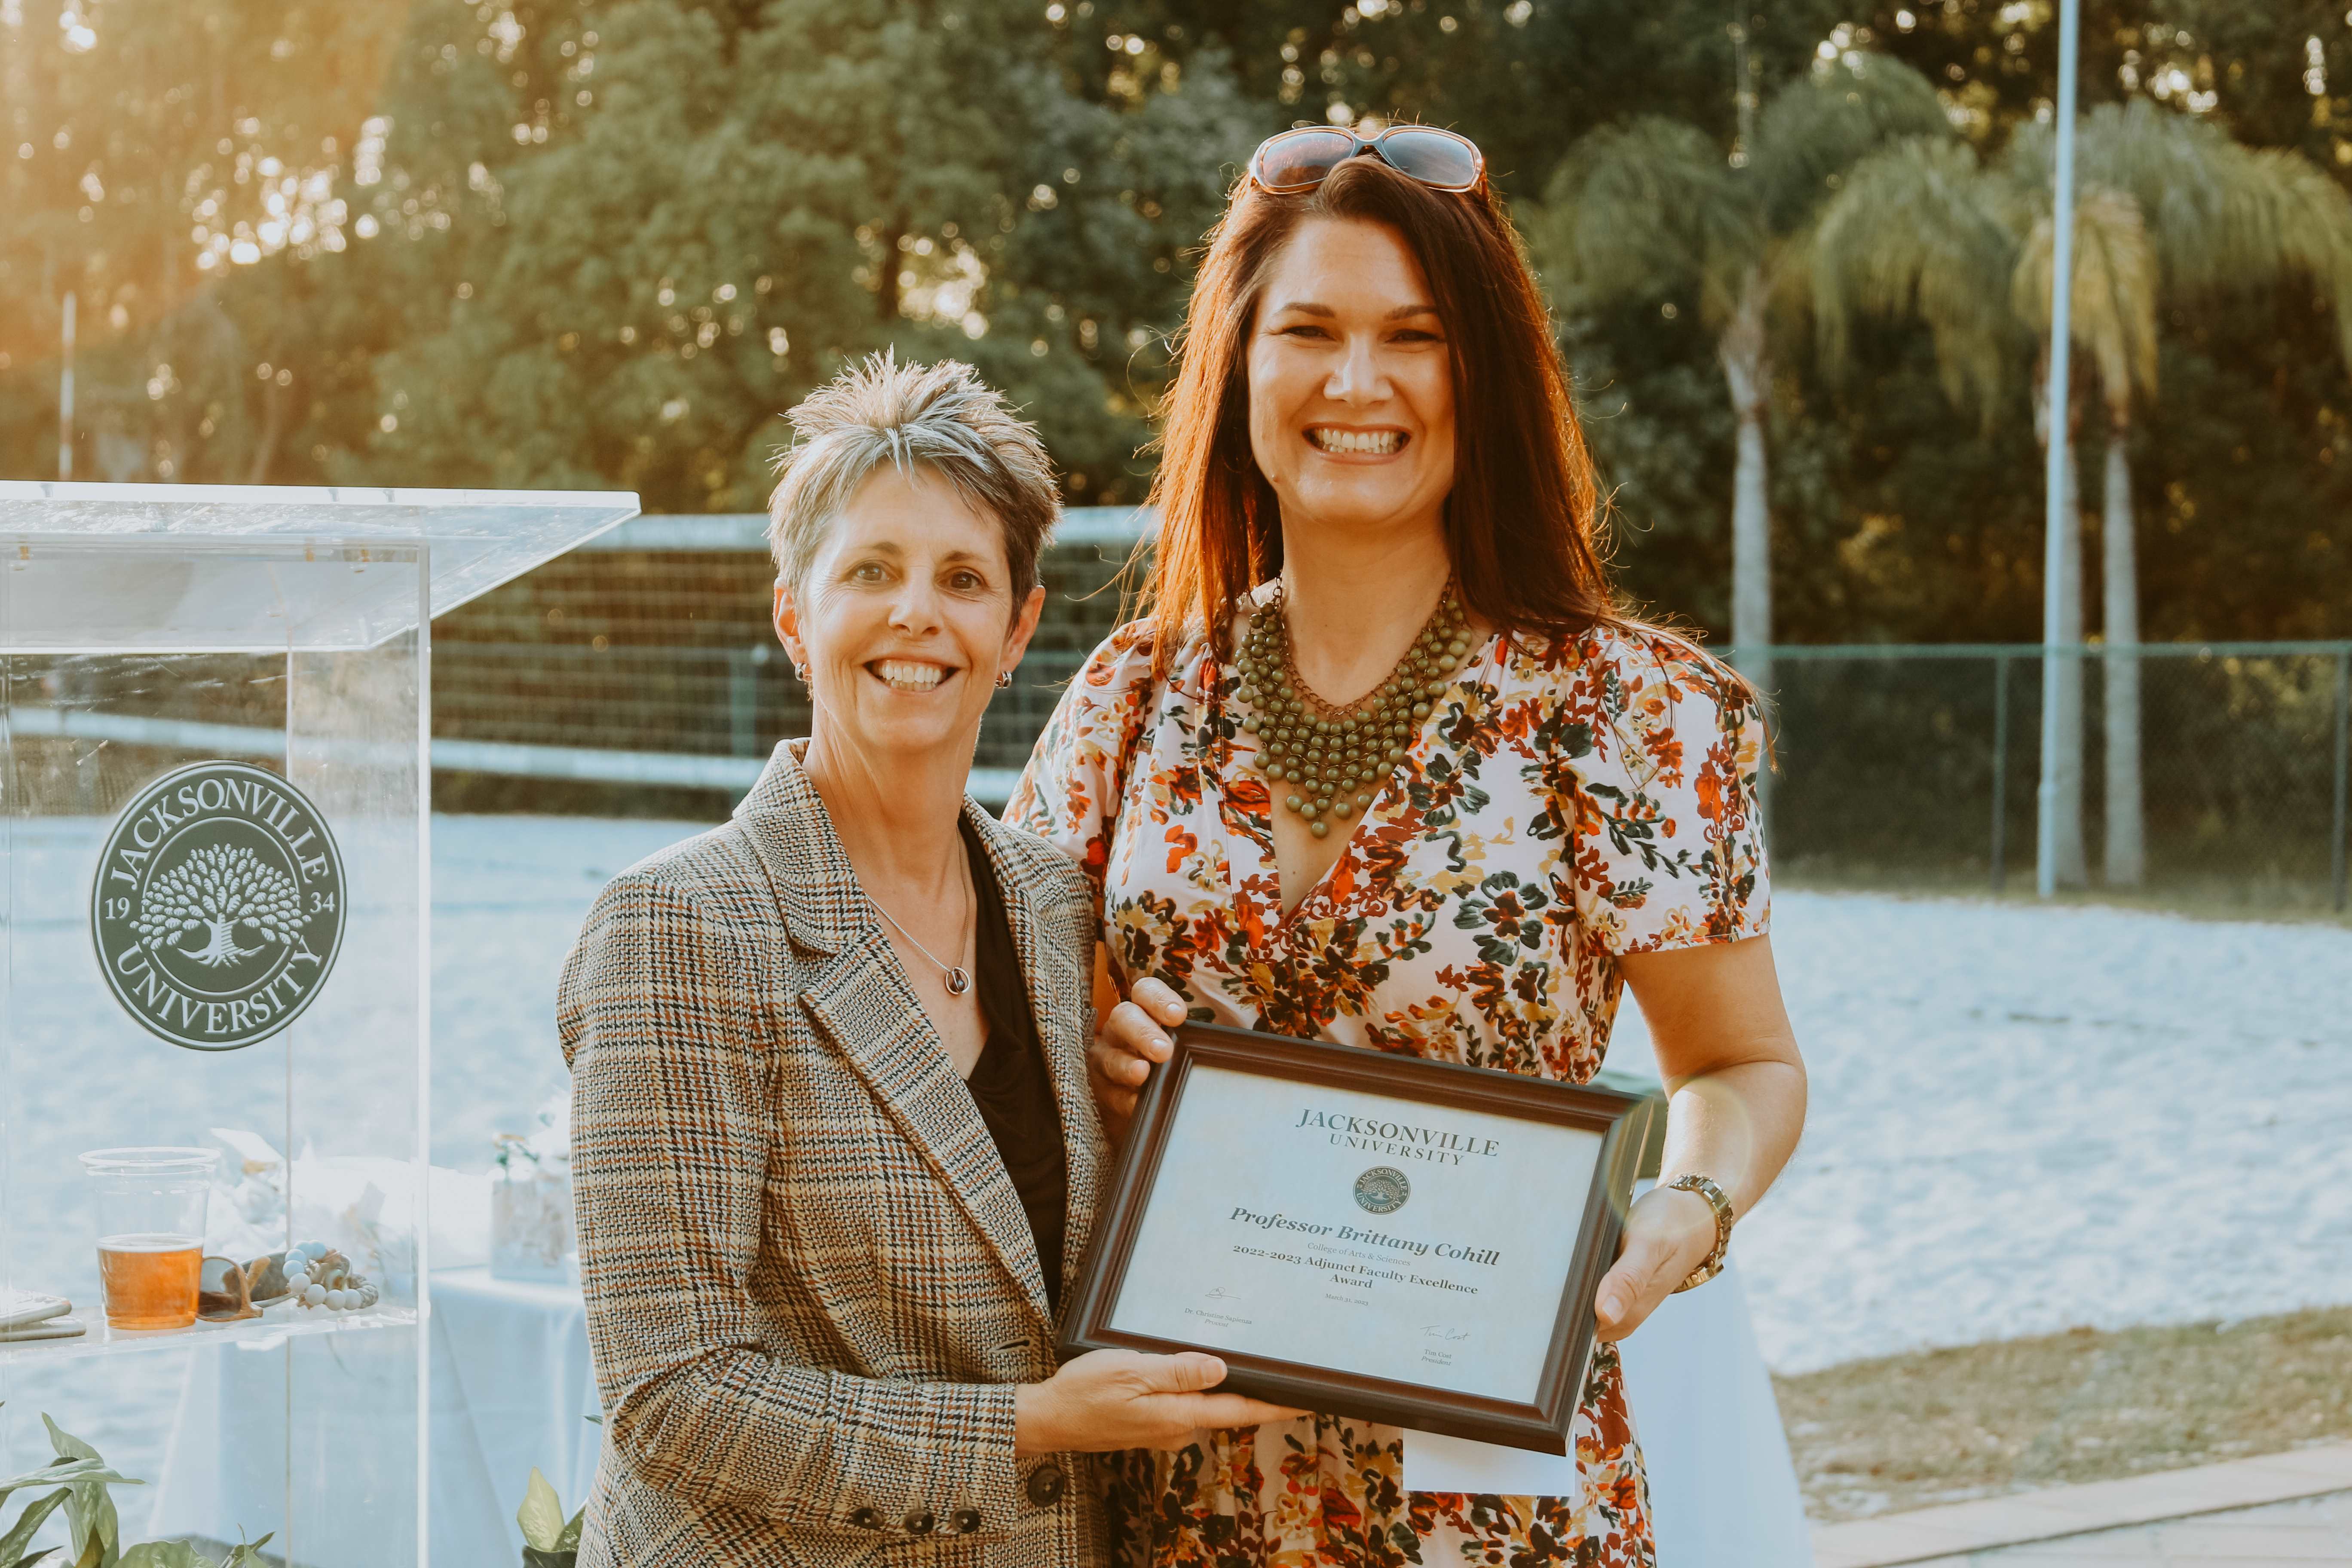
[1385, 764]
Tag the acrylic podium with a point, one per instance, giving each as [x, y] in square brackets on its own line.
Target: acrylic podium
[215, 773]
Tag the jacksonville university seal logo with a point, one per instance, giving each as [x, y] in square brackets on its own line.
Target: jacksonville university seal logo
[1383, 1190]
[218, 906]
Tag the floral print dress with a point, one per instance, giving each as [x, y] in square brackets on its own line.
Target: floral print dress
[1564, 804]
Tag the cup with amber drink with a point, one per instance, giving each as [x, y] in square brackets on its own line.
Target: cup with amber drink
[151, 1232]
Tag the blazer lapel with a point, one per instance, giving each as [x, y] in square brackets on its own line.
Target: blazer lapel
[861, 1000]
[862, 1004]
[1058, 982]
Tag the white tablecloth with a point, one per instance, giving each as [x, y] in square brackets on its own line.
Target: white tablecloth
[512, 1388]
[519, 1395]
[1723, 1492]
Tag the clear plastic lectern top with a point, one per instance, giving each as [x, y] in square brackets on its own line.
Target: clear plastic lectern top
[228, 567]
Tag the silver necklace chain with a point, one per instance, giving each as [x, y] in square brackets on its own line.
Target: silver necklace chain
[957, 978]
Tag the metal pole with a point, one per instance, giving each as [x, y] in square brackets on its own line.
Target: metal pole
[65, 397]
[2343, 769]
[2000, 772]
[2062, 290]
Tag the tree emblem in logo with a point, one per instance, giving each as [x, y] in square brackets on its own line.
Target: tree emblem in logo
[217, 906]
[214, 890]
[1383, 1190]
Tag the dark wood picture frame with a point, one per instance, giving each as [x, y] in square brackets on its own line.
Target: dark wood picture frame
[1539, 1422]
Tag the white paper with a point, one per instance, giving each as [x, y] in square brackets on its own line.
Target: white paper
[1435, 1464]
[1359, 1232]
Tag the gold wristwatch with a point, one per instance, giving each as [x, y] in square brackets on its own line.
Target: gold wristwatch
[1713, 1265]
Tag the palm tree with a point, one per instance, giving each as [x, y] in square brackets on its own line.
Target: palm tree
[2170, 210]
[2218, 218]
[1654, 206]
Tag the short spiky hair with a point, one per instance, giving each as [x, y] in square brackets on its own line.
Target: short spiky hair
[940, 417]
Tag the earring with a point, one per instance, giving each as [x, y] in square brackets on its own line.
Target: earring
[1004, 679]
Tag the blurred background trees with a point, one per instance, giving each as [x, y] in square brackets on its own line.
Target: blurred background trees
[2170, 210]
[1655, 207]
[560, 242]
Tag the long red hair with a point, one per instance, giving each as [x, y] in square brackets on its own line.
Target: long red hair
[1524, 511]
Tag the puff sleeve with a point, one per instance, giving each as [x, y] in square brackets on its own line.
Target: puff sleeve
[1069, 793]
[1665, 747]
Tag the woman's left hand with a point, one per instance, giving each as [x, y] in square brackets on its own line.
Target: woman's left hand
[1130, 1039]
[1667, 1234]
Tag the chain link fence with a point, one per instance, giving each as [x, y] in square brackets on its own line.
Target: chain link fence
[654, 643]
[590, 685]
[1918, 766]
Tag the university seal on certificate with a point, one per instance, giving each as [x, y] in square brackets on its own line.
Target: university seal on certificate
[1383, 1190]
[1244, 1220]
[217, 905]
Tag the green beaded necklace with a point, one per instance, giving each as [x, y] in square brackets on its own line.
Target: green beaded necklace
[1334, 758]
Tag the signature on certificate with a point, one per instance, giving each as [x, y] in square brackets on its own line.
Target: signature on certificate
[1440, 1331]
[1219, 1293]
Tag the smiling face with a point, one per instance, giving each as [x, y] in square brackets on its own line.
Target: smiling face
[904, 620]
[1352, 382]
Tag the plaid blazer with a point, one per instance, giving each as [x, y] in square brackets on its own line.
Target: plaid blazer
[811, 1285]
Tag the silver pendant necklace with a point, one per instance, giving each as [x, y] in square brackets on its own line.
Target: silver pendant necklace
[957, 978]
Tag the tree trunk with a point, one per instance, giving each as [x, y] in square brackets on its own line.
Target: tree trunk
[2066, 819]
[1748, 375]
[2062, 813]
[222, 946]
[2126, 843]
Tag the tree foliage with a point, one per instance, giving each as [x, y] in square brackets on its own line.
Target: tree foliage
[569, 242]
[214, 889]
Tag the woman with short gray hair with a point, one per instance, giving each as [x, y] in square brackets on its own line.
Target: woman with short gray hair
[833, 1152]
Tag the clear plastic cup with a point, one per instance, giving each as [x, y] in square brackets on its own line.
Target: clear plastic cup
[151, 1232]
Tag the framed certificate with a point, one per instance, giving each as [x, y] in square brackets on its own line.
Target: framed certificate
[1406, 1241]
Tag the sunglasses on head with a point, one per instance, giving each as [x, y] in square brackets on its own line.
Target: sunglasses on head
[1300, 160]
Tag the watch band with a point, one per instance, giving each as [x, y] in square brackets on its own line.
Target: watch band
[1713, 1264]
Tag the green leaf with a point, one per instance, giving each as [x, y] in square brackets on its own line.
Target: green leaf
[67, 1446]
[248, 1552]
[165, 1554]
[541, 1513]
[534, 1558]
[95, 1528]
[57, 1473]
[12, 1545]
[92, 1523]
[570, 1540]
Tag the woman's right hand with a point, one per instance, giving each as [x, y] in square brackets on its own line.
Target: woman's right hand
[1132, 1036]
[1108, 1400]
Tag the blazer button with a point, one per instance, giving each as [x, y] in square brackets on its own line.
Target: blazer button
[920, 1523]
[1045, 1483]
[867, 1519]
[967, 1519]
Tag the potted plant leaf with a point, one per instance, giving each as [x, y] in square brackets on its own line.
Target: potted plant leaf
[78, 1480]
[550, 1540]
